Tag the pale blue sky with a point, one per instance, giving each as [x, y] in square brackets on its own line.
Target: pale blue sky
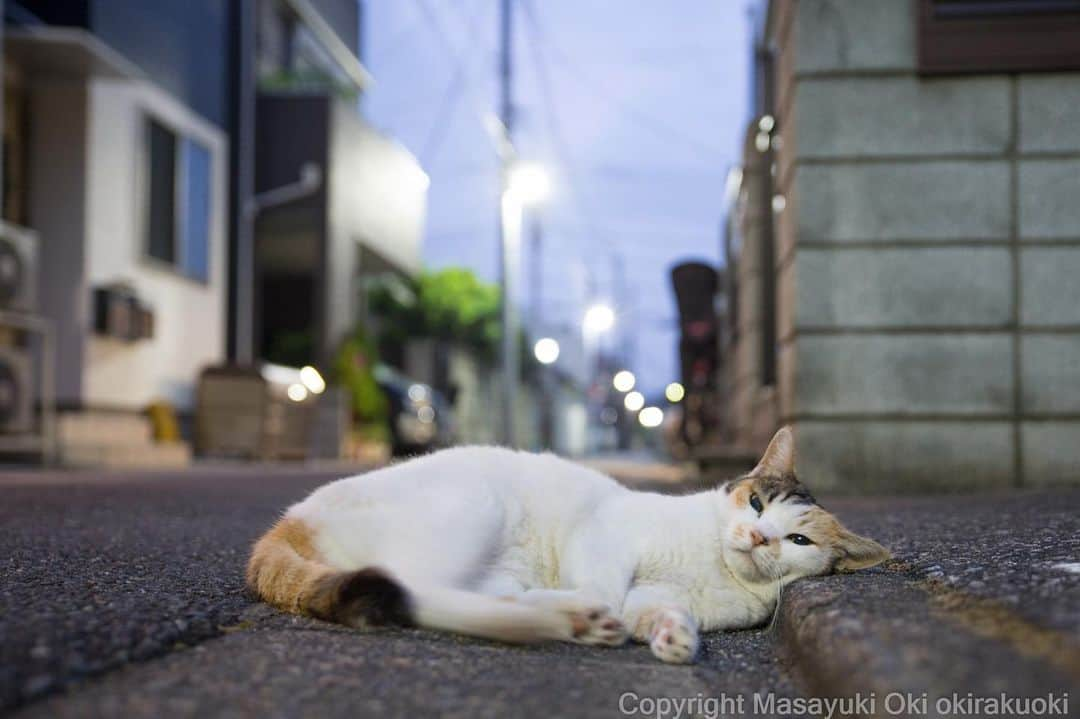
[639, 117]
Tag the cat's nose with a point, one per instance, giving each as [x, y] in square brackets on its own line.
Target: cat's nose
[757, 538]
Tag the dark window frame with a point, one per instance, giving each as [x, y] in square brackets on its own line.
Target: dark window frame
[159, 247]
[178, 262]
[997, 36]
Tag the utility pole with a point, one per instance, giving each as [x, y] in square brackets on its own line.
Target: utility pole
[508, 227]
[536, 277]
[3, 10]
[622, 334]
[242, 335]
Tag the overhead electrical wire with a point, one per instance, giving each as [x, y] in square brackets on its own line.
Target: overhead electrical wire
[657, 125]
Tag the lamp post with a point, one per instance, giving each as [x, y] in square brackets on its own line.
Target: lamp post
[525, 184]
[546, 351]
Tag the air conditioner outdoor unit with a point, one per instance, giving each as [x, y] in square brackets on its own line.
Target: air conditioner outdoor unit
[18, 269]
[16, 400]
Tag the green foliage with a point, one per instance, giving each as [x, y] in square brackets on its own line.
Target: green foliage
[354, 369]
[451, 304]
[308, 80]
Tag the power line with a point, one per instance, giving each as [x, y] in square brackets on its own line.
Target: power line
[458, 58]
[397, 42]
[554, 123]
[657, 125]
[455, 89]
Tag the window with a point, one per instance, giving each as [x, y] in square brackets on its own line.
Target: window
[178, 201]
[195, 222]
[161, 213]
[969, 36]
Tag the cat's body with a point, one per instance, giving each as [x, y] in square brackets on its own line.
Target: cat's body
[522, 547]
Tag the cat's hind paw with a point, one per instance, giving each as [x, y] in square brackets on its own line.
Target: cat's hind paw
[674, 639]
[596, 626]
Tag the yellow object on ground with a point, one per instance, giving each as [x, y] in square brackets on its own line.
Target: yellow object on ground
[163, 422]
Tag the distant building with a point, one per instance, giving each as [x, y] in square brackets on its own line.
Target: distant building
[155, 149]
[905, 244]
[313, 256]
[116, 150]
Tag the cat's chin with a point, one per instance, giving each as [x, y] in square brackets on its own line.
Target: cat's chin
[742, 563]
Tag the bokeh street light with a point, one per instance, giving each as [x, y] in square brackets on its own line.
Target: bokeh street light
[674, 392]
[624, 380]
[546, 350]
[634, 401]
[528, 183]
[651, 417]
[599, 318]
[297, 392]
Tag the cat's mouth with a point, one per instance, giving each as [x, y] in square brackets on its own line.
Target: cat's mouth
[763, 563]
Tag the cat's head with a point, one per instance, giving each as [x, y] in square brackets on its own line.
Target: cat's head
[775, 529]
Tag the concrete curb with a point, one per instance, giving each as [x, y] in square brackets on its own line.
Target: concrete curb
[886, 630]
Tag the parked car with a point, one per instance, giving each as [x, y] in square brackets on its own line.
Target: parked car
[421, 419]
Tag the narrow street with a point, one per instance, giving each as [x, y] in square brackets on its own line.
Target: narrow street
[122, 595]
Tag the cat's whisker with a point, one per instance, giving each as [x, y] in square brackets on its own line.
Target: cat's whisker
[779, 598]
[773, 568]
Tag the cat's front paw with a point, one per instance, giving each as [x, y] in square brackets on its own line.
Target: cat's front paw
[596, 626]
[674, 638]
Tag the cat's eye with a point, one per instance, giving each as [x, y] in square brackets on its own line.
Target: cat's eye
[801, 539]
[756, 504]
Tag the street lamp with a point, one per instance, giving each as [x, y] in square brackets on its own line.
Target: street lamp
[634, 401]
[524, 184]
[599, 318]
[528, 183]
[651, 417]
[624, 380]
[674, 392]
[546, 350]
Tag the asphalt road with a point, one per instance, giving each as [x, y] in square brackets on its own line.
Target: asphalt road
[123, 595]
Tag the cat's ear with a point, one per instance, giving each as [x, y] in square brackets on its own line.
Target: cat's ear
[779, 457]
[857, 552]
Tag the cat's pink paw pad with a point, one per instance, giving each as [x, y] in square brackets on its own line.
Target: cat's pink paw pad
[674, 640]
[597, 626]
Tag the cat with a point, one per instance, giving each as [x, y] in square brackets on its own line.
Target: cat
[521, 547]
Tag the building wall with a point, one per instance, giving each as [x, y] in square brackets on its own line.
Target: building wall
[180, 44]
[377, 197]
[56, 200]
[189, 330]
[927, 262]
[751, 401]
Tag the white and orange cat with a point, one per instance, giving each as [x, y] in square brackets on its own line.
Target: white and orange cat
[524, 547]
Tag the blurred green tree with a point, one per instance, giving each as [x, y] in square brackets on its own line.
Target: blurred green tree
[354, 369]
[453, 305]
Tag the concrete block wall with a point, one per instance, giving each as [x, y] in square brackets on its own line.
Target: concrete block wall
[927, 262]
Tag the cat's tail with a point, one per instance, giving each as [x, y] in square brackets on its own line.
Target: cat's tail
[478, 615]
[285, 570]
